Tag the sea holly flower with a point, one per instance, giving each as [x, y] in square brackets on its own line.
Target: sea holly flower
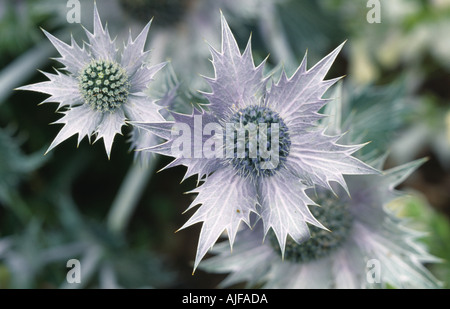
[268, 175]
[369, 246]
[102, 88]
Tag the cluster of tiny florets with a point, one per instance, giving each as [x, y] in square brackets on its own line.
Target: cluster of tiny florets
[104, 85]
[250, 119]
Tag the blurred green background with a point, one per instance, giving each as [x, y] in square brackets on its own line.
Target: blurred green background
[56, 207]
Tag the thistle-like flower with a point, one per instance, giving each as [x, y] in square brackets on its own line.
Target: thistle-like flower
[368, 246]
[103, 88]
[266, 175]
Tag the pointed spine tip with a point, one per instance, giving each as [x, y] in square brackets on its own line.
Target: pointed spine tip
[424, 159]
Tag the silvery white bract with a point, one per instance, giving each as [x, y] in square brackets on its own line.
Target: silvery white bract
[234, 188]
[103, 88]
[377, 248]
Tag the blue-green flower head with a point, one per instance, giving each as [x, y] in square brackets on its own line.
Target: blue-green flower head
[103, 87]
[252, 117]
[335, 215]
[368, 245]
[271, 148]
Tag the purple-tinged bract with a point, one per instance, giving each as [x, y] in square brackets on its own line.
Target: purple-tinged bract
[283, 121]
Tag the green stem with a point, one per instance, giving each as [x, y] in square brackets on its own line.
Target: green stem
[133, 185]
[129, 194]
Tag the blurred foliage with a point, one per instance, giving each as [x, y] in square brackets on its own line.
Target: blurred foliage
[14, 164]
[436, 227]
[20, 22]
[54, 208]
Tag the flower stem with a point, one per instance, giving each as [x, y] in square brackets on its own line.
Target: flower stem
[129, 194]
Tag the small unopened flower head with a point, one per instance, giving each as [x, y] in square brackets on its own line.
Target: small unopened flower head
[103, 88]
